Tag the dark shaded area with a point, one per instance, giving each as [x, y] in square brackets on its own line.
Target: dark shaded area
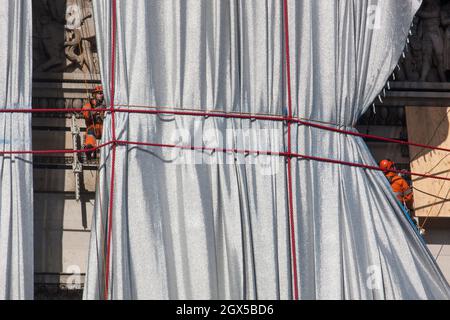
[386, 116]
[49, 36]
[56, 292]
[48, 59]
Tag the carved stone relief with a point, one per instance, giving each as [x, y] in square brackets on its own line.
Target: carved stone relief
[64, 37]
[428, 56]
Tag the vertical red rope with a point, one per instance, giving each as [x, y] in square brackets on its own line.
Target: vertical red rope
[113, 160]
[289, 158]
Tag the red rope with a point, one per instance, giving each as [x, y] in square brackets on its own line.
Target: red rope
[113, 160]
[214, 114]
[224, 150]
[281, 154]
[60, 151]
[289, 165]
[288, 155]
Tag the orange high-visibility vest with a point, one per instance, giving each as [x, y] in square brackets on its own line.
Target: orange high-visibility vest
[87, 115]
[96, 123]
[402, 189]
[90, 141]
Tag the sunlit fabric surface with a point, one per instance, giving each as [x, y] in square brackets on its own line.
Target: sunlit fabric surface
[16, 172]
[186, 226]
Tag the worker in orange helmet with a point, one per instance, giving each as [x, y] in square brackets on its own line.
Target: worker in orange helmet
[401, 188]
[94, 120]
[399, 185]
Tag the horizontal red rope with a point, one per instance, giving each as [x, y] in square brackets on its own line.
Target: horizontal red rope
[227, 115]
[60, 151]
[224, 150]
[282, 154]
[235, 116]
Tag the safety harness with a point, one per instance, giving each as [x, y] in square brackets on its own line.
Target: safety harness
[402, 194]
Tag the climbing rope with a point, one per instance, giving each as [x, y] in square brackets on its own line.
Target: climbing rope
[113, 129]
[289, 157]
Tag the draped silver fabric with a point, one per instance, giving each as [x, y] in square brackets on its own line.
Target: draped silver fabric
[193, 224]
[16, 172]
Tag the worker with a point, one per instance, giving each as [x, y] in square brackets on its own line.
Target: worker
[401, 188]
[94, 121]
[399, 185]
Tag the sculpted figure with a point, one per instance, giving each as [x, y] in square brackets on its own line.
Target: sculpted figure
[411, 66]
[432, 40]
[51, 35]
[79, 34]
[445, 22]
[64, 36]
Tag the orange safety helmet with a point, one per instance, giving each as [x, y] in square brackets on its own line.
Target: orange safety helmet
[97, 89]
[386, 165]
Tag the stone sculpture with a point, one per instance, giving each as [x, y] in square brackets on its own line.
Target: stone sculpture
[64, 36]
[428, 55]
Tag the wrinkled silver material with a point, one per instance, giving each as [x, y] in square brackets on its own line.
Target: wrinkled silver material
[200, 231]
[16, 171]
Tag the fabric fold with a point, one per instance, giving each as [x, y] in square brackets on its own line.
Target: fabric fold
[16, 171]
[203, 224]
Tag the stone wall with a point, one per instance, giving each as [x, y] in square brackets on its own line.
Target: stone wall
[65, 71]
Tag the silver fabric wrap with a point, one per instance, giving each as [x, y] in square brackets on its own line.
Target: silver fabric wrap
[16, 172]
[186, 226]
